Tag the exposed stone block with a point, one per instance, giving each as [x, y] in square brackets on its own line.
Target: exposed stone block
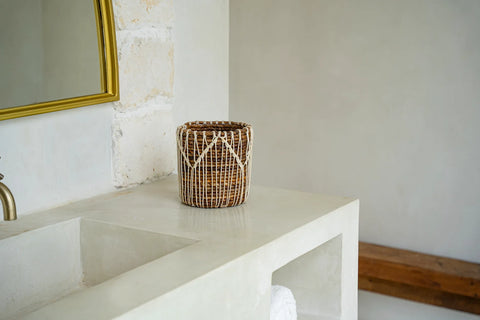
[133, 14]
[146, 69]
[144, 146]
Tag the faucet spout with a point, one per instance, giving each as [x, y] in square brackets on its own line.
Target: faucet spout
[8, 202]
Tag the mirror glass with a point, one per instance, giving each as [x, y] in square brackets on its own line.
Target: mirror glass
[52, 50]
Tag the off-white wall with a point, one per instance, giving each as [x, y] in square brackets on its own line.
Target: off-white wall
[201, 36]
[373, 99]
[56, 158]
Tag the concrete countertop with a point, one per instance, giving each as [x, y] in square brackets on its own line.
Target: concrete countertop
[237, 248]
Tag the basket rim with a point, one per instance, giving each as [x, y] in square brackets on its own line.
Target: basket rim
[245, 126]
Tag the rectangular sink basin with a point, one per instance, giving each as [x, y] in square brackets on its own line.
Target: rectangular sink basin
[43, 265]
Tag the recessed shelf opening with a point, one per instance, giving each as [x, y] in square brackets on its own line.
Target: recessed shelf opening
[315, 281]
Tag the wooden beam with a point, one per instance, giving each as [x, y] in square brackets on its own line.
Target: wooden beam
[439, 281]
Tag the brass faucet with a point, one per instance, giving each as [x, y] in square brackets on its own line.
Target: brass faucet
[8, 202]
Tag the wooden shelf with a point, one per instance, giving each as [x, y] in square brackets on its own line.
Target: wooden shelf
[435, 280]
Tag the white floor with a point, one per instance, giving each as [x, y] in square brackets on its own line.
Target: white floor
[372, 306]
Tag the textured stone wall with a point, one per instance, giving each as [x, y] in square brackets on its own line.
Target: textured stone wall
[143, 128]
[173, 60]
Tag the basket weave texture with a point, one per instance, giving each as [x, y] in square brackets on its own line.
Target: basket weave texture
[214, 163]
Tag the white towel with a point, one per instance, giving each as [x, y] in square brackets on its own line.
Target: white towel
[283, 305]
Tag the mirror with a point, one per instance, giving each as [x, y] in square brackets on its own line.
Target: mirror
[55, 55]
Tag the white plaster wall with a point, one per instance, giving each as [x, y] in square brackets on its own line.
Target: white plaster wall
[372, 99]
[201, 36]
[55, 158]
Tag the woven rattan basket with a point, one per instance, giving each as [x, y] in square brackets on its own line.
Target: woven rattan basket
[214, 163]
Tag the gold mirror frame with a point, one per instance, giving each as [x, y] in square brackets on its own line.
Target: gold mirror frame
[108, 64]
